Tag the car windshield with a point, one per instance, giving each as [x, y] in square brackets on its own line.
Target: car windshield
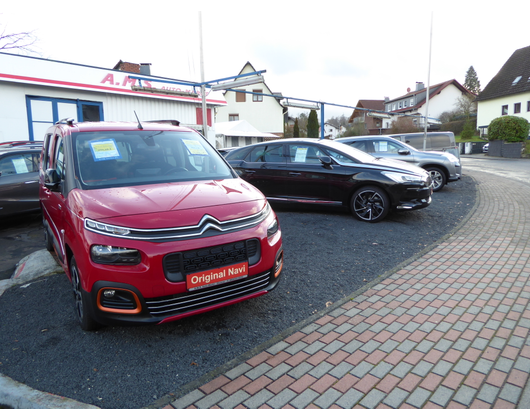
[118, 158]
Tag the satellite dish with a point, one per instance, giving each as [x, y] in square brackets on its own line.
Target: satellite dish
[408, 90]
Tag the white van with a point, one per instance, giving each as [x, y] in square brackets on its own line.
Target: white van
[442, 141]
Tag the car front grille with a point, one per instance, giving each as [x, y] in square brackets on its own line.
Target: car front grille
[178, 264]
[203, 298]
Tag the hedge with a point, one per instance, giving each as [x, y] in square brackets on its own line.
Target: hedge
[509, 128]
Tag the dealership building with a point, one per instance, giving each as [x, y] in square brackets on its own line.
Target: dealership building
[35, 93]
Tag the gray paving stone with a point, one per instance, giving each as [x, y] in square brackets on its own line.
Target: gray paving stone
[314, 347]
[461, 344]
[304, 399]
[349, 399]
[278, 371]
[377, 327]
[509, 323]
[422, 368]
[419, 397]
[476, 326]
[211, 399]
[341, 329]
[341, 370]
[504, 364]
[296, 347]
[259, 370]
[442, 368]
[443, 326]
[381, 369]
[427, 327]
[352, 312]
[388, 346]
[442, 396]
[300, 370]
[483, 366]
[402, 369]
[492, 324]
[510, 393]
[413, 311]
[321, 369]
[188, 399]
[460, 326]
[278, 347]
[352, 346]
[516, 341]
[396, 398]
[238, 371]
[308, 329]
[328, 398]
[411, 326]
[324, 329]
[257, 400]
[488, 393]
[465, 395]
[406, 346]
[281, 399]
[234, 400]
[333, 347]
[443, 345]
[394, 327]
[480, 343]
[361, 327]
[463, 366]
[370, 346]
[523, 364]
[362, 369]
[373, 398]
[498, 343]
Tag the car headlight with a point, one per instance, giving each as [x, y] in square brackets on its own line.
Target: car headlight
[105, 228]
[273, 228]
[113, 255]
[402, 178]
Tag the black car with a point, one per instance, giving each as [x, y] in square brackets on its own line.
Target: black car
[327, 172]
[19, 178]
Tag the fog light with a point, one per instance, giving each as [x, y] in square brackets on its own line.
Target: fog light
[109, 293]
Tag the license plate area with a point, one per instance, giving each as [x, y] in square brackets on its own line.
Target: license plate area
[211, 277]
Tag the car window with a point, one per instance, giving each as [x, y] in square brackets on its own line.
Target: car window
[302, 153]
[22, 163]
[385, 146]
[269, 153]
[340, 157]
[361, 145]
[238, 154]
[59, 158]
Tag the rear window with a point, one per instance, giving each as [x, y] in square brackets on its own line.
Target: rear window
[118, 158]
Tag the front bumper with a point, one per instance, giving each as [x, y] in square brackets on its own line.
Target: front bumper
[114, 303]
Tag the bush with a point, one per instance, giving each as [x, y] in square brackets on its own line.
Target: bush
[468, 132]
[509, 128]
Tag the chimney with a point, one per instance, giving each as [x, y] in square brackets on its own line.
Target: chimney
[145, 69]
[128, 67]
[419, 86]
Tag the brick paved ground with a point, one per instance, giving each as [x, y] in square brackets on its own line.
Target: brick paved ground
[449, 330]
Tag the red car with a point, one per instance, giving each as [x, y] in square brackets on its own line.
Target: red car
[151, 224]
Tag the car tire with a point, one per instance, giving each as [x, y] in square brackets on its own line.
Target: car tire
[438, 178]
[81, 305]
[48, 240]
[370, 204]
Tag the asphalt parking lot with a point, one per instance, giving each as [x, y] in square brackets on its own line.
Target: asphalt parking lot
[328, 255]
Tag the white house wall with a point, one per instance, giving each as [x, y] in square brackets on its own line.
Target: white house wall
[266, 116]
[445, 101]
[492, 108]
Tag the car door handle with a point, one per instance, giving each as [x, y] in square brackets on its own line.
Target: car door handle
[294, 174]
[247, 171]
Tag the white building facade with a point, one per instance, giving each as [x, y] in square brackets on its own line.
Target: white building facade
[35, 93]
[263, 112]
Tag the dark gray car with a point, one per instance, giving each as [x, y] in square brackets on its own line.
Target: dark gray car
[443, 167]
[19, 178]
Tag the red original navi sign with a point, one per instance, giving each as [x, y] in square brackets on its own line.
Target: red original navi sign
[217, 275]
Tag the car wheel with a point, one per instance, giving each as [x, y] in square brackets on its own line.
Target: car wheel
[81, 304]
[438, 178]
[370, 204]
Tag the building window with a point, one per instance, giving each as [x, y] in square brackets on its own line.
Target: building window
[528, 106]
[517, 108]
[504, 110]
[241, 97]
[412, 102]
[233, 117]
[256, 97]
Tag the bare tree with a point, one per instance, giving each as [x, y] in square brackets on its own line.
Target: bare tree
[18, 41]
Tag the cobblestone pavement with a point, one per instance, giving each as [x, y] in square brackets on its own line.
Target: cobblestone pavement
[447, 330]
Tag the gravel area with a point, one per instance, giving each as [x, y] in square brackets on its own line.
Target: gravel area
[328, 256]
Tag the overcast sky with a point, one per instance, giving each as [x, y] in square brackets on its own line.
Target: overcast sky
[332, 51]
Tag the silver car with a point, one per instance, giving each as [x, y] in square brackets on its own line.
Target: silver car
[443, 167]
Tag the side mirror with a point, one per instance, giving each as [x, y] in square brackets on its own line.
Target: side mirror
[404, 152]
[52, 179]
[326, 161]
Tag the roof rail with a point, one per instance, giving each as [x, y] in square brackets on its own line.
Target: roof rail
[69, 121]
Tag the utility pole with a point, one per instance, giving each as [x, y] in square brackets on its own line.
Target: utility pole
[427, 92]
[203, 89]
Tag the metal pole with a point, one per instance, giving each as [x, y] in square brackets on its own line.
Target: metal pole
[321, 121]
[203, 89]
[427, 92]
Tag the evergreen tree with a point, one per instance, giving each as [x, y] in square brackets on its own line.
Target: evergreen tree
[296, 129]
[312, 125]
[472, 83]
